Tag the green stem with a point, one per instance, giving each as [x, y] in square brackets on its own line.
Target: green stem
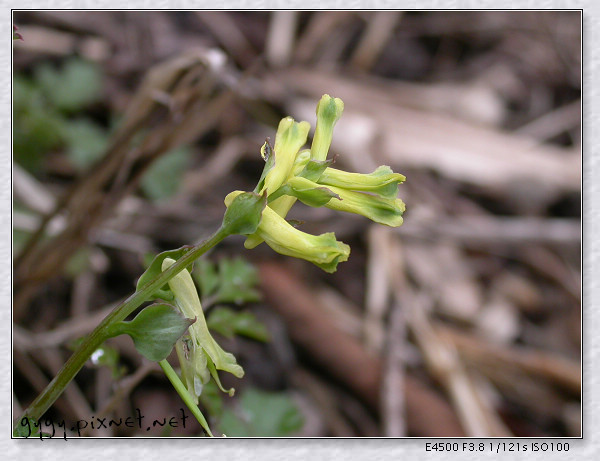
[184, 394]
[56, 387]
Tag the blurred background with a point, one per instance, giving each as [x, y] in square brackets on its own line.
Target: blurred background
[129, 128]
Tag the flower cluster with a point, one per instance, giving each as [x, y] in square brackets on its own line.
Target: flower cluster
[292, 174]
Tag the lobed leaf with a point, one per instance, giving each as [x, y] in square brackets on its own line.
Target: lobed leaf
[154, 330]
[229, 322]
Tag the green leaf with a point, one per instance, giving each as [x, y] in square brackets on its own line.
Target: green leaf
[25, 94]
[155, 269]
[244, 212]
[237, 281]
[206, 277]
[163, 178]
[71, 88]
[154, 330]
[262, 414]
[228, 322]
[232, 425]
[234, 281]
[86, 142]
[38, 127]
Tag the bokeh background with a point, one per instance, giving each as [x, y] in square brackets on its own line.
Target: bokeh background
[129, 128]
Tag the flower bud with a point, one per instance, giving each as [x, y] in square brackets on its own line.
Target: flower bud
[329, 110]
[291, 136]
[203, 355]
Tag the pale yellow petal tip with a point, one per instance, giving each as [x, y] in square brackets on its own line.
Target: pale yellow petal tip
[252, 242]
[330, 107]
[401, 205]
[231, 197]
[167, 262]
[304, 128]
[285, 123]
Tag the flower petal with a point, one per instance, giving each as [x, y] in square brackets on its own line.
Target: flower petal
[322, 250]
[383, 181]
[381, 210]
[329, 110]
[202, 342]
[291, 136]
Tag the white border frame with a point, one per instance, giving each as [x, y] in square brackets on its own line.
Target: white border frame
[301, 449]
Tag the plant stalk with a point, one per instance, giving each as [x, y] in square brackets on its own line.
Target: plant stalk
[57, 386]
[185, 395]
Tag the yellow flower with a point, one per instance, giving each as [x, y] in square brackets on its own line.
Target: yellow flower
[292, 174]
[322, 250]
[290, 137]
[378, 209]
[199, 354]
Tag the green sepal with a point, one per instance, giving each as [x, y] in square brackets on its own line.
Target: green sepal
[244, 211]
[306, 191]
[314, 169]
[154, 330]
[155, 269]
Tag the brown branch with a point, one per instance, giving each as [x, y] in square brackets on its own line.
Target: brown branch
[345, 359]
